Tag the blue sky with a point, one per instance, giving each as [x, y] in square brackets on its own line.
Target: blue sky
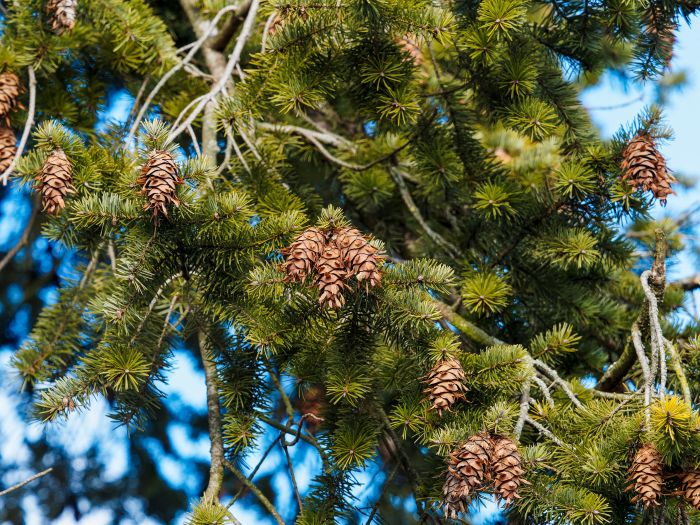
[186, 385]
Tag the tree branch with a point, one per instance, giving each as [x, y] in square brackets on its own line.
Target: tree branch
[221, 40]
[216, 470]
[27, 126]
[24, 239]
[255, 490]
[25, 482]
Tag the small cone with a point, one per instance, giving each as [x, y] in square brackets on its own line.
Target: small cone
[360, 258]
[55, 181]
[644, 167]
[646, 477]
[331, 276]
[159, 178]
[303, 254]
[467, 472]
[9, 91]
[445, 384]
[690, 487]
[8, 148]
[62, 15]
[507, 469]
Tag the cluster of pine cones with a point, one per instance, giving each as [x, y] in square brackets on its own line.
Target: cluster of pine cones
[482, 462]
[445, 384]
[646, 478]
[644, 167]
[335, 256]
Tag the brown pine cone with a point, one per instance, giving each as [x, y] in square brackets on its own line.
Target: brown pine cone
[690, 487]
[331, 276]
[644, 167]
[8, 148]
[9, 91]
[303, 254]
[445, 383]
[468, 470]
[62, 14]
[645, 475]
[55, 181]
[506, 463]
[159, 178]
[360, 258]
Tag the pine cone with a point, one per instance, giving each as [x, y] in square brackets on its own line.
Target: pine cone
[62, 14]
[55, 181]
[303, 254]
[359, 256]
[690, 487]
[507, 469]
[331, 276]
[9, 91]
[159, 177]
[445, 383]
[645, 475]
[467, 472]
[644, 167]
[8, 148]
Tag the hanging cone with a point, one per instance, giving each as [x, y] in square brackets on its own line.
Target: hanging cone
[303, 254]
[55, 181]
[331, 276]
[445, 384]
[467, 472]
[8, 148]
[506, 463]
[360, 258]
[644, 167]
[159, 177]
[646, 477]
[9, 91]
[690, 487]
[62, 15]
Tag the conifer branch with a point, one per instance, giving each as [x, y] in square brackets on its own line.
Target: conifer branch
[468, 329]
[255, 490]
[558, 380]
[221, 40]
[296, 433]
[216, 470]
[544, 431]
[25, 482]
[24, 238]
[27, 126]
[524, 409]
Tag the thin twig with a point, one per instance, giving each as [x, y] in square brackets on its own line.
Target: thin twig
[24, 239]
[27, 126]
[25, 482]
[558, 380]
[385, 489]
[544, 431]
[524, 407]
[646, 373]
[290, 468]
[438, 239]
[678, 369]
[255, 490]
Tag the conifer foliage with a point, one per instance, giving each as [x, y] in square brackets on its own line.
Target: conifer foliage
[389, 234]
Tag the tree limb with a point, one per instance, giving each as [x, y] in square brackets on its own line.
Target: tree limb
[216, 470]
[24, 239]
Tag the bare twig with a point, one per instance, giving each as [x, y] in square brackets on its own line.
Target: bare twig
[524, 407]
[27, 126]
[255, 490]
[167, 76]
[230, 66]
[25, 482]
[438, 239]
[558, 380]
[544, 431]
[24, 239]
